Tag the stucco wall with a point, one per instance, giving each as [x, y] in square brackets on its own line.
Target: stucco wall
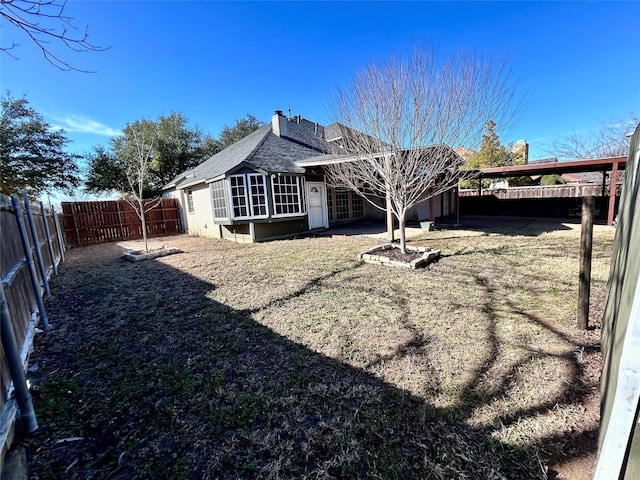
[442, 206]
[200, 222]
[264, 231]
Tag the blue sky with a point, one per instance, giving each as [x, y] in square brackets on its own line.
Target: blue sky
[215, 61]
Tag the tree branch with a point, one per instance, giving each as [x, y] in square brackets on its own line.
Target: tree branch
[26, 15]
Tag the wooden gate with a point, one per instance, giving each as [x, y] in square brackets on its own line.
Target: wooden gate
[88, 223]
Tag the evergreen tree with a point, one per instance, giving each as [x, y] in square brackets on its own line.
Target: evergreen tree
[491, 154]
[242, 128]
[32, 153]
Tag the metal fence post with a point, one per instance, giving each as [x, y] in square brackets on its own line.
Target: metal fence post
[36, 244]
[59, 233]
[23, 397]
[46, 232]
[29, 259]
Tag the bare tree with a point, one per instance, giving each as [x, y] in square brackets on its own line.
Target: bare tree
[142, 145]
[42, 22]
[404, 113]
[610, 139]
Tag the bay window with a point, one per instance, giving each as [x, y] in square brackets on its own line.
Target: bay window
[248, 194]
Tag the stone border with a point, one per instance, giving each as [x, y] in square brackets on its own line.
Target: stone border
[428, 256]
[140, 255]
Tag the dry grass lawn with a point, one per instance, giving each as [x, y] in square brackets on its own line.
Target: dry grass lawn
[291, 359]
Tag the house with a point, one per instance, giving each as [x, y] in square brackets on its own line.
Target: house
[260, 188]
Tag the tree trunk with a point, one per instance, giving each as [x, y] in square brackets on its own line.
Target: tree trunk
[144, 225]
[403, 236]
[390, 221]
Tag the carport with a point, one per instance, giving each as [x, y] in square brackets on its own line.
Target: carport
[609, 166]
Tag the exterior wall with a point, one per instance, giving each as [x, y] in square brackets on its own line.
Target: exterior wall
[200, 222]
[236, 233]
[374, 213]
[442, 206]
[241, 233]
[267, 231]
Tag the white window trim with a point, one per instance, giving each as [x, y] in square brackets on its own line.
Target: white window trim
[266, 197]
[224, 197]
[191, 208]
[301, 200]
[247, 196]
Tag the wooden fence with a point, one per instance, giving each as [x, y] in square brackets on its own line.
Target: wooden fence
[537, 191]
[31, 247]
[619, 455]
[88, 223]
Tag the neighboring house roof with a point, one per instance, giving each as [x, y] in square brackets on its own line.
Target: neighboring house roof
[540, 161]
[463, 151]
[274, 148]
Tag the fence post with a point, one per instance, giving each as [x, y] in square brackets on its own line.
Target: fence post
[46, 232]
[23, 397]
[164, 220]
[59, 232]
[29, 259]
[586, 244]
[120, 227]
[36, 244]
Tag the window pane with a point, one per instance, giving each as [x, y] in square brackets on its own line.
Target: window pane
[238, 196]
[357, 204]
[190, 207]
[218, 195]
[257, 184]
[342, 205]
[330, 203]
[287, 195]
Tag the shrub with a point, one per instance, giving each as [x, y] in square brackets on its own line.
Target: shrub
[552, 180]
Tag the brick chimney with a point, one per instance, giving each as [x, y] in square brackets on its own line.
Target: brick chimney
[279, 124]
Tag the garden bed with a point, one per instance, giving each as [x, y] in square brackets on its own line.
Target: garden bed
[141, 255]
[390, 254]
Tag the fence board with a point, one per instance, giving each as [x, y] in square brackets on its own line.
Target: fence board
[89, 223]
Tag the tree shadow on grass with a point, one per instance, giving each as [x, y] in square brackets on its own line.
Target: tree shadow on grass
[144, 376]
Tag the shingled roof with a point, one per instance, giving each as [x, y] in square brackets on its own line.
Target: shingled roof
[294, 140]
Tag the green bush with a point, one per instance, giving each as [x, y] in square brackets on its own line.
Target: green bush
[552, 180]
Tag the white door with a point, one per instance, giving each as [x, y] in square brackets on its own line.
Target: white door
[317, 205]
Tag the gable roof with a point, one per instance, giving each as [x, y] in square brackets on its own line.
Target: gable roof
[320, 160]
[262, 150]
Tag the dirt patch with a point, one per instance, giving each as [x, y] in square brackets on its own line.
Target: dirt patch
[396, 254]
[262, 361]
